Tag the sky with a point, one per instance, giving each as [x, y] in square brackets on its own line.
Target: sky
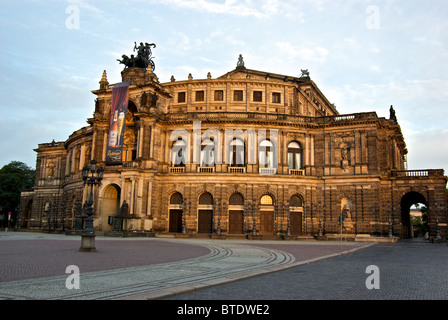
[363, 55]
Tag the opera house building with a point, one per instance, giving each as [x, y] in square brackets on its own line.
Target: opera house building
[249, 153]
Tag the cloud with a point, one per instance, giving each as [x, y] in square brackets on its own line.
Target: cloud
[244, 8]
[428, 149]
[306, 51]
[232, 7]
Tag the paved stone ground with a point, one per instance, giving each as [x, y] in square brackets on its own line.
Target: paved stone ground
[408, 270]
[33, 266]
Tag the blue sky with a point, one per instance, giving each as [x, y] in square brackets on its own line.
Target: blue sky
[363, 55]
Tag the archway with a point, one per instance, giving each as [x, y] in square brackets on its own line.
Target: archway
[28, 211]
[236, 213]
[175, 219]
[130, 134]
[205, 213]
[295, 215]
[110, 206]
[266, 215]
[407, 201]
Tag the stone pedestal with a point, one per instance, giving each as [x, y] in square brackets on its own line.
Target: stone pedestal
[87, 243]
[348, 225]
[218, 236]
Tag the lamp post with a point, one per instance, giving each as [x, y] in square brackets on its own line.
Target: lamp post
[63, 208]
[219, 207]
[288, 227]
[88, 235]
[438, 237]
[184, 213]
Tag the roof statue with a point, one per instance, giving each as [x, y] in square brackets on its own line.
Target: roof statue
[143, 59]
[240, 63]
[305, 73]
[392, 115]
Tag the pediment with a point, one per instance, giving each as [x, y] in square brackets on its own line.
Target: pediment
[244, 74]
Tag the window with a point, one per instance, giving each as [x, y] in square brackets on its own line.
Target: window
[236, 199]
[266, 154]
[276, 97]
[176, 198]
[238, 95]
[294, 155]
[236, 154]
[219, 95]
[258, 96]
[181, 97]
[266, 200]
[208, 153]
[178, 153]
[296, 201]
[199, 95]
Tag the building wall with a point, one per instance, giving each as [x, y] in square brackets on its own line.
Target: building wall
[350, 164]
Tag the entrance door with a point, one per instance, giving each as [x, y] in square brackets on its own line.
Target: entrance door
[236, 221]
[205, 221]
[110, 206]
[296, 223]
[266, 222]
[175, 221]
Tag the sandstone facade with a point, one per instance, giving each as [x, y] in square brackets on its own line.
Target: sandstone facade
[246, 153]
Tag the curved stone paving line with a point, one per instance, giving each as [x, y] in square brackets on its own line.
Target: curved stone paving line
[224, 263]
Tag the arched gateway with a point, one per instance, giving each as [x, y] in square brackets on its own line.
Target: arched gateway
[407, 201]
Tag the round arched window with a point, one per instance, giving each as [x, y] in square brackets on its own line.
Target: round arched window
[266, 200]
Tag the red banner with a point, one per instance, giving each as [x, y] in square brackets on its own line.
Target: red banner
[117, 124]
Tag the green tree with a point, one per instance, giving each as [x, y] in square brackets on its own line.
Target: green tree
[14, 177]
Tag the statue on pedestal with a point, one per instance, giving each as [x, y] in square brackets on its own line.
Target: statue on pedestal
[143, 59]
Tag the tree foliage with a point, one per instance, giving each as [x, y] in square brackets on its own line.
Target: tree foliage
[14, 177]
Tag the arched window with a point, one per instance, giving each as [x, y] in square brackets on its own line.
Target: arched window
[296, 201]
[266, 200]
[266, 154]
[176, 198]
[208, 153]
[130, 134]
[236, 199]
[206, 198]
[294, 155]
[236, 153]
[178, 153]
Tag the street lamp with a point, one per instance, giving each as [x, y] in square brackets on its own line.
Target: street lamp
[96, 175]
[184, 216]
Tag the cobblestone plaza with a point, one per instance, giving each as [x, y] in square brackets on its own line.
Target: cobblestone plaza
[34, 266]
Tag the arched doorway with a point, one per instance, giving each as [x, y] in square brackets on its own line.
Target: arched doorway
[27, 217]
[110, 206]
[236, 213]
[175, 219]
[295, 215]
[407, 201]
[205, 213]
[266, 215]
[130, 134]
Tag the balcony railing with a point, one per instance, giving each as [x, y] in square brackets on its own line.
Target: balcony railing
[177, 169]
[417, 173]
[206, 169]
[237, 169]
[268, 116]
[267, 170]
[297, 172]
